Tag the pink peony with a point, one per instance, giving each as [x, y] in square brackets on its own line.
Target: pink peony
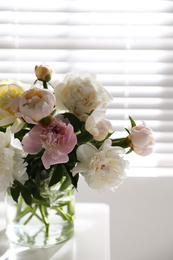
[34, 104]
[141, 140]
[58, 139]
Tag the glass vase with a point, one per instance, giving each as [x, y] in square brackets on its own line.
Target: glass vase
[45, 223]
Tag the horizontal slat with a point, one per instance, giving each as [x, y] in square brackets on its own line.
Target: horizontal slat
[86, 18]
[95, 67]
[164, 138]
[83, 6]
[157, 126]
[153, 160]
[81, 31]
[136, 80]
[126, 67]
[143, 103]
[149, 172]
[162, 148]
[139, 91]
[58, 55]
[70, 43]
[141, 114]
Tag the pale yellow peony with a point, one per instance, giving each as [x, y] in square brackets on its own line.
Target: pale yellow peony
[8, 91]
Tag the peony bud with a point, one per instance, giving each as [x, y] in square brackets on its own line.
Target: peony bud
[141, 140]
[43, 72]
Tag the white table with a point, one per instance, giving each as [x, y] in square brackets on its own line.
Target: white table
[91, 240]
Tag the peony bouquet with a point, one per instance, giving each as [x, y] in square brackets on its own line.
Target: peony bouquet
[58, 133]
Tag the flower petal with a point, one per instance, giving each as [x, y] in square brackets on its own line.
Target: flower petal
[7, 120]
[29, 146]
[48, 160]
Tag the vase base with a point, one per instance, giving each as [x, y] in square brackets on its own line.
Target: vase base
[37, 236]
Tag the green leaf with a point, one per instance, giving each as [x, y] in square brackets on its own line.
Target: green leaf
[72, 159]
[3, 129]
[35, 165]
[36, 193]
[127, 131]
[26, 194]
[67, 180]
[66, 183]
[74, 121]
[129, 151]
[132, 121]
[84, 137]
[15, 192]
[57, 173]
[21, 134]
[74, 179]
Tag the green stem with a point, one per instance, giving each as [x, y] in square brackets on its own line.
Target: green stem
[19, 206]
[70, 206]
[45, 84]
[119, 142]
[21, 214]
[65, 216]
[42, 211]
[35, 81]
[32, 214]
[39, 217]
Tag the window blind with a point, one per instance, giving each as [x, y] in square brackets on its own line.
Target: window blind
[127, 43]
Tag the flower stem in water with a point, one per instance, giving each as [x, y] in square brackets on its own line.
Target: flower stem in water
[32, 214]
[43, 214]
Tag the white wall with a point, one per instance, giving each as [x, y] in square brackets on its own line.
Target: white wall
[141, 217]
[1, 196]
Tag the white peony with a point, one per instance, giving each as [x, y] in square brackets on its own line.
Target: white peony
[102, 167]
[98, 126]
[81, 93]
[12, 166]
